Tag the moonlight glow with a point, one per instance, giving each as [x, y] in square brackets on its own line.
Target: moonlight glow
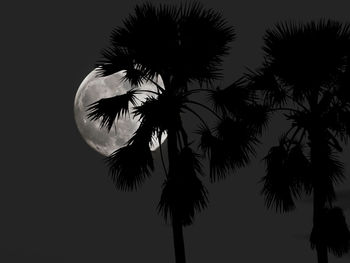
[94, 88]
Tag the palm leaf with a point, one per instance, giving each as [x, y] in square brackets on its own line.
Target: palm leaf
[256, 117]
[217, 153]
[299, 170]
[184, 194]
[278, 189]
[343, 119]
[307, 55]
[343, 82]
[272, 88]
[114, 59]
[159, 27]
[331, 230]
[332, 172]
[111, 108]
[329, 169]
[130, 165]
[239, 139]
[203, 40]
[234, 99]
[231, 147]
[162, 112]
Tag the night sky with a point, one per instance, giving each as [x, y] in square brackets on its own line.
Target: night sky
[57, 203]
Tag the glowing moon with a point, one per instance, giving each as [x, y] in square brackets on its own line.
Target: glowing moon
[94, 88]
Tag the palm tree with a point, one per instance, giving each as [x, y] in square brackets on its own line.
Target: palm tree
[184, 45]
[306, 75]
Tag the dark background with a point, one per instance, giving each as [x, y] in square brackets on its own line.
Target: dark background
[57, 203]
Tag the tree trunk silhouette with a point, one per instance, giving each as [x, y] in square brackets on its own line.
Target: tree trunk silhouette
[322, 253]
[319, 201]
[179, 245]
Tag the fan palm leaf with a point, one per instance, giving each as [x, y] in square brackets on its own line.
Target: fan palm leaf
[130, 165]
[163, 112]
[233, 99]
[112, 108]
[184, 194]
[264, 80]
[230, 147]
[203, 38]
[278, 187]
[299, 169]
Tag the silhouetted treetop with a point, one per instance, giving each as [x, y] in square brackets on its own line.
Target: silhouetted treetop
[315, 51]
[184, 42]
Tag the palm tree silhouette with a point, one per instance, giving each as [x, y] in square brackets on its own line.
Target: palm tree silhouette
[306, 75]
[184, 45]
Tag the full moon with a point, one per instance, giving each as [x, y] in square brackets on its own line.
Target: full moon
[94, 88]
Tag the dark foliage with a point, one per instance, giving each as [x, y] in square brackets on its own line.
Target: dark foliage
[307, 48]
[130, 165]
[265, 81]
[112, 108]
[331, 230]
[229, 147]
[279, 187]
[186, 42]
[184, 194]
[163, 112]
[233, 99]
[288, 173]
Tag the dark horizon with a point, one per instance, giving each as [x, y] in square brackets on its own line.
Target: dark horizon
[59, 204]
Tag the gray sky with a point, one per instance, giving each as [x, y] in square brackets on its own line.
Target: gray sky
[57, 203]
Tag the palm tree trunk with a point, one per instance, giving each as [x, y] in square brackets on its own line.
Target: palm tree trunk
[322, 253]
[179, 245]
[319, 195]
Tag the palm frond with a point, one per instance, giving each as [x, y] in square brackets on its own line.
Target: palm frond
[299, 170]
[163, 112]
[256, 117]
[114, 59]
[184, 194]
[265, 81]
[337, 121]
[111, 108]
[278, 188]
[343, 82]
[343, 120]
[239, 139]
[130, 165]
[307, 55]
[217, 153]
[204, 37]
[229, 148]
[331, 230]
[329, 165]
[301, 118]
[233, 99]
[156, 24]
